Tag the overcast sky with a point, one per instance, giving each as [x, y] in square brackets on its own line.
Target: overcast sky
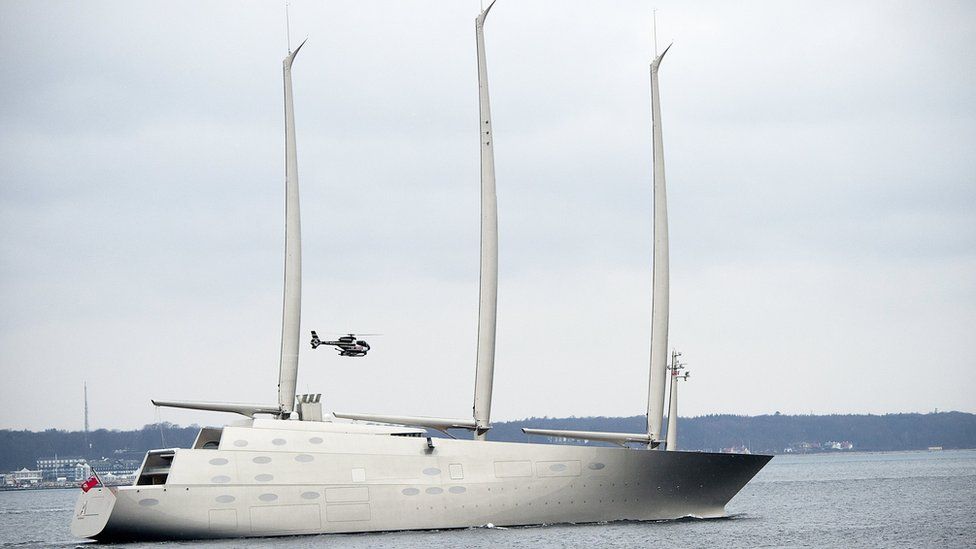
[821, 162]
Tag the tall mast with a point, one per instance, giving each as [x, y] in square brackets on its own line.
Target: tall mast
[488, 287]
[660, 286]
[488, 292]
[292, 302]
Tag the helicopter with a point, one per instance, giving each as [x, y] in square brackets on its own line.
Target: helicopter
[347, 345]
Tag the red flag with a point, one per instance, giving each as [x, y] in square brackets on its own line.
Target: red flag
[89, 484]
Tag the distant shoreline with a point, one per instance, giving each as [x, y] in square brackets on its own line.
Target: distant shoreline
[36, 488]
[775, 434]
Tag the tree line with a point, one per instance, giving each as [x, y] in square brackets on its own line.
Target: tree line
[761, 434]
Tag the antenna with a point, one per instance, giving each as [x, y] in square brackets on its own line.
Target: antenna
[676, 366]
[287, 28]
[654, 15]
[87, 444]
[671, 442]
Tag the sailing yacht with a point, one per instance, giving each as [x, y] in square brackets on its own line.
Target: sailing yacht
[292, 471]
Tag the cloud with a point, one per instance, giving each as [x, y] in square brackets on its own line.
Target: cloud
[820, 178]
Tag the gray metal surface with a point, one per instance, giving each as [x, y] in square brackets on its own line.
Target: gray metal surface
[600, 436]
[248, 410]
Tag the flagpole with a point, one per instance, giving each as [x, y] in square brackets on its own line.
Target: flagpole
[112, 489]
[95, 474]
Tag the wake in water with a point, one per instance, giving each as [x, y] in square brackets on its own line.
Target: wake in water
[687, 518]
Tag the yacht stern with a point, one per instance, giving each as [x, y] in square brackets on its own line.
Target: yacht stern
[92, 511]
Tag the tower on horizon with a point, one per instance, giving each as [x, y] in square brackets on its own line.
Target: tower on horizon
[87, 444]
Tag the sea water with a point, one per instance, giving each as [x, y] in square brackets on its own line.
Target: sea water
[892, 499]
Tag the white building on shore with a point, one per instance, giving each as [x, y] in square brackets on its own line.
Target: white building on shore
[24, 477]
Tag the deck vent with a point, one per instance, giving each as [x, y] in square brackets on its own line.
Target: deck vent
[310, 407]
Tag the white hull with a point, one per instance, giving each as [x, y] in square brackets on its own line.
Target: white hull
[304, 481]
